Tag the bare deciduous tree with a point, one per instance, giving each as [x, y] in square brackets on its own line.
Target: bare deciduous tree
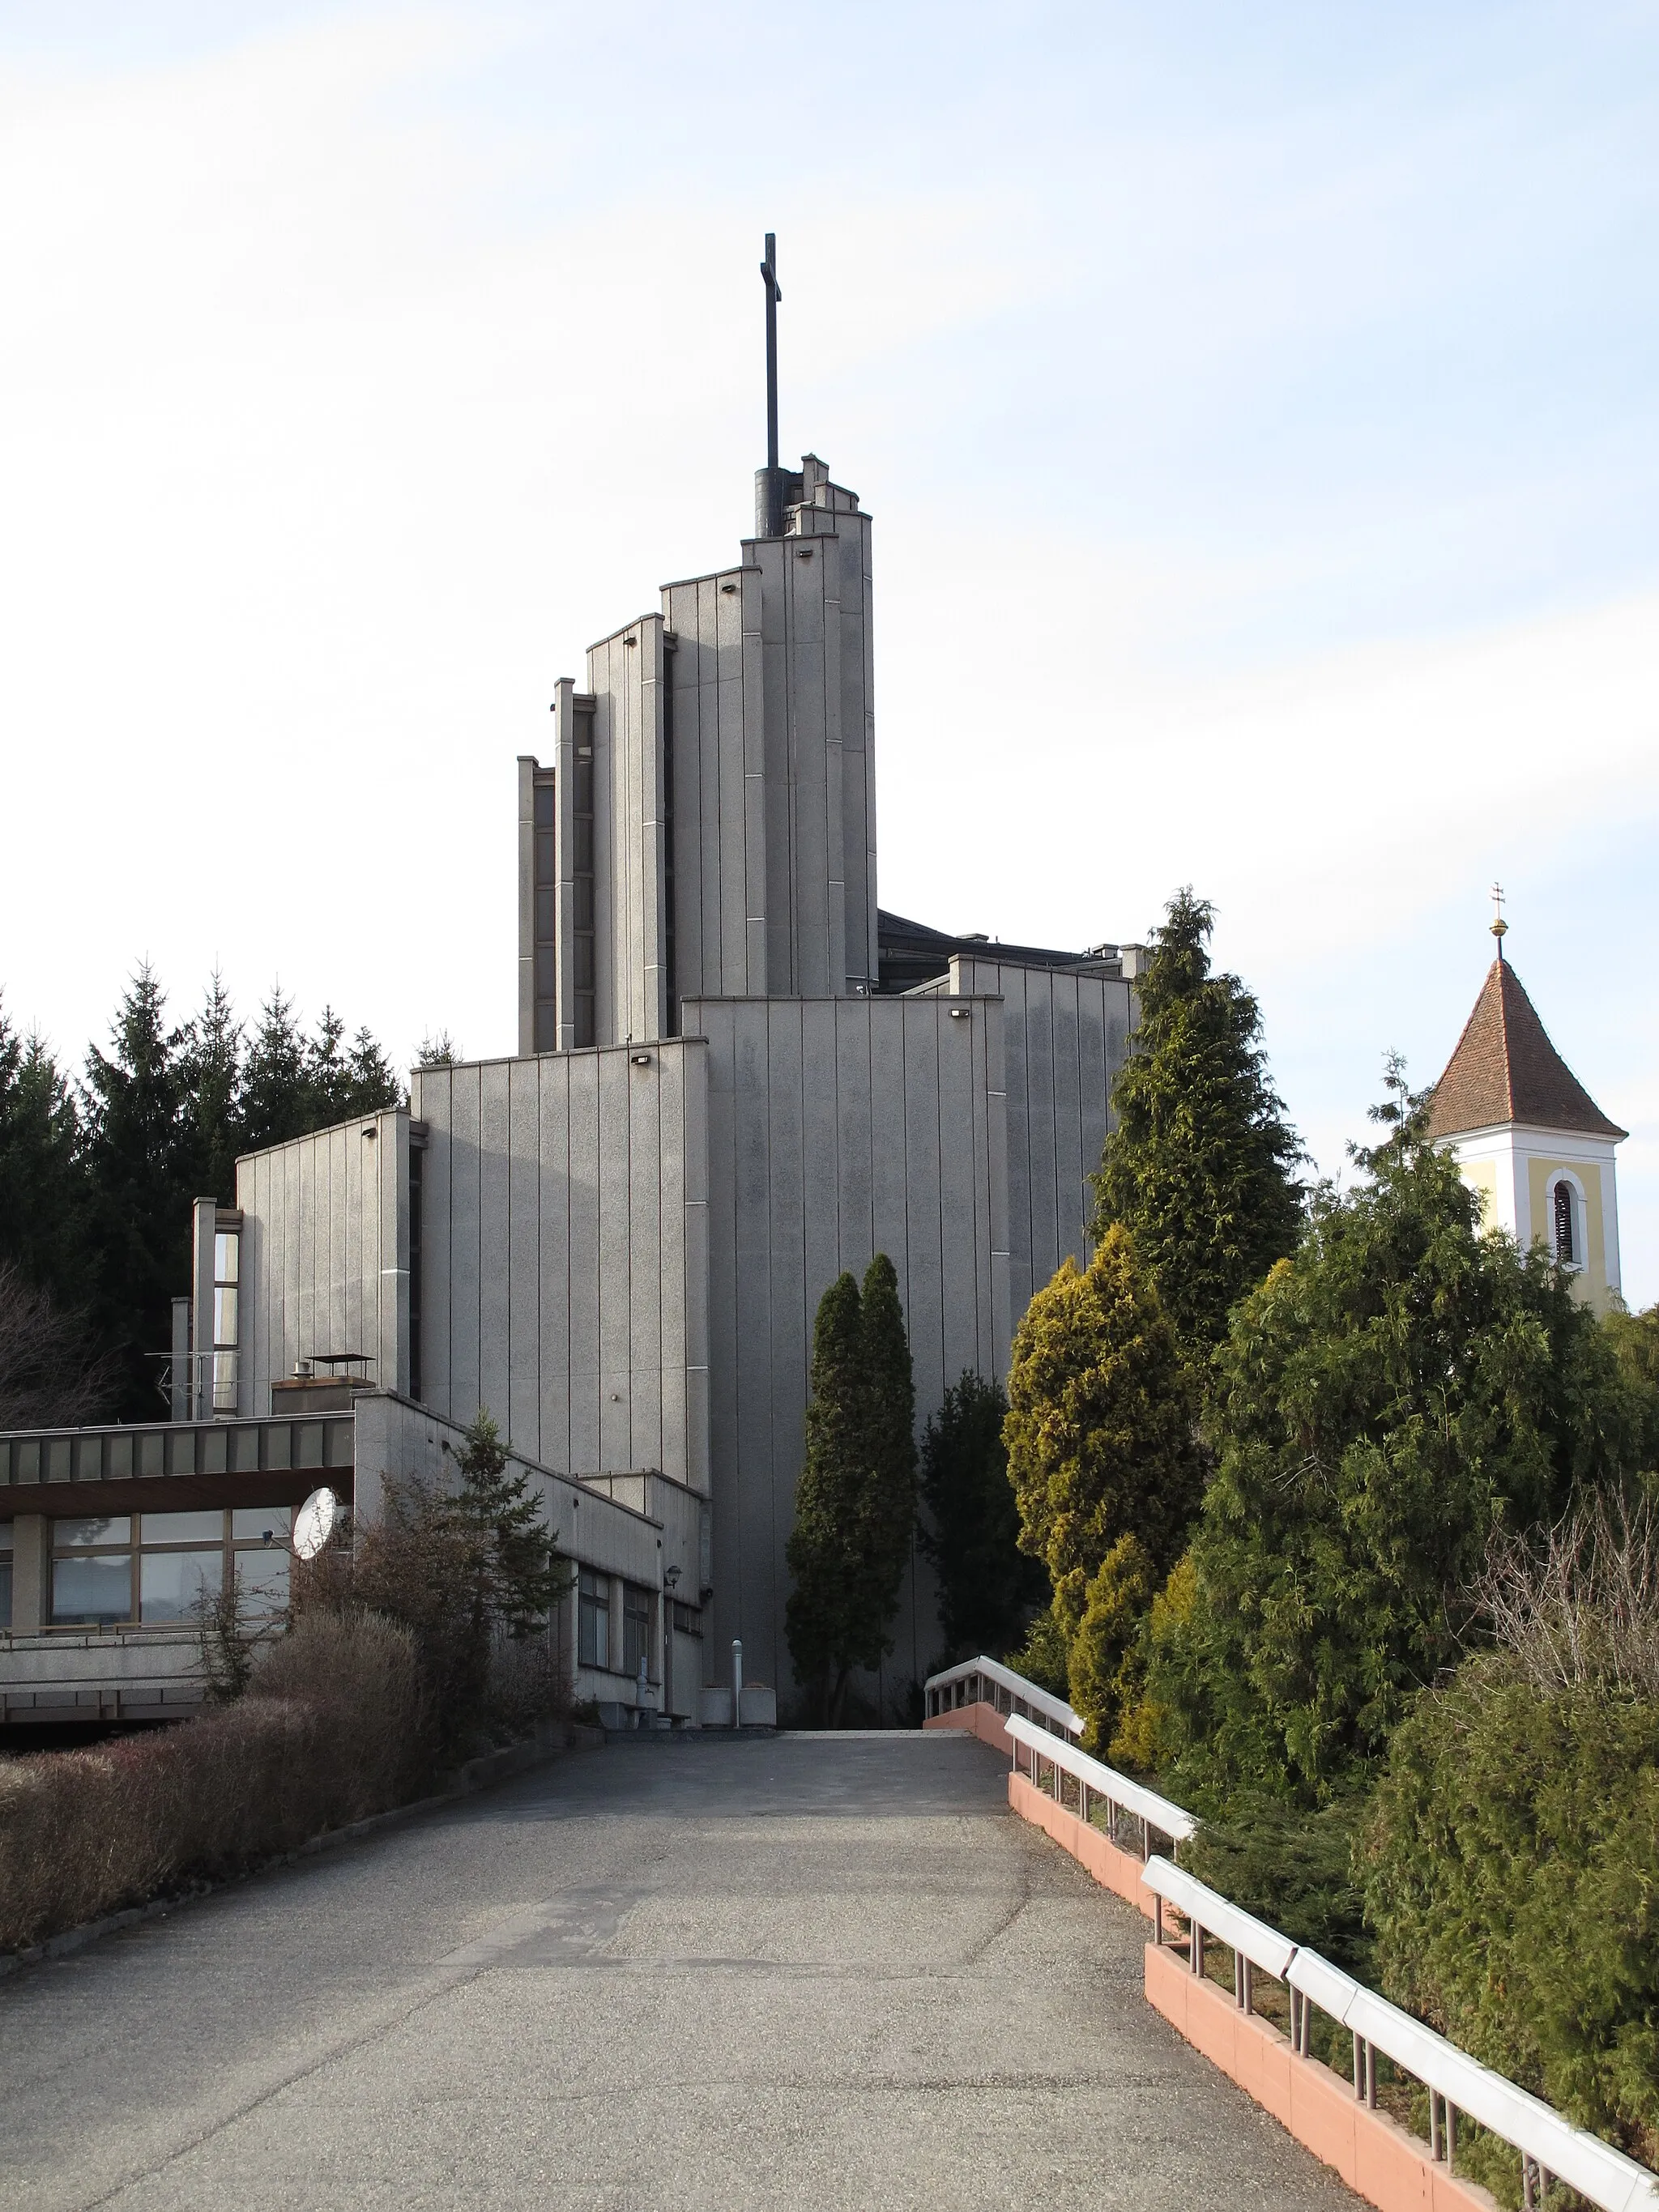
[50, 1377]
[1580, 1603]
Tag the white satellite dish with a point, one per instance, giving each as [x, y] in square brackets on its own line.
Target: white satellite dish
[313, 1524]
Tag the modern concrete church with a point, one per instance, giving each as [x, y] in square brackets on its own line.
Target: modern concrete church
[736, 1076]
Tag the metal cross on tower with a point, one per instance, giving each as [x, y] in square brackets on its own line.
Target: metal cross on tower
[1499, 927]
[772, 519]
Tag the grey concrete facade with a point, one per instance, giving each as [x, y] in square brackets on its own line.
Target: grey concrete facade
[324, 1254]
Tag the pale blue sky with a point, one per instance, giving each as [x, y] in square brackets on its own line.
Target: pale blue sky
[1257, 410]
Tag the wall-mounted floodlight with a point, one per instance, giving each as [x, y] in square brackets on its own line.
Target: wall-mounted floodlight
[641, 1060]
[960, 1013]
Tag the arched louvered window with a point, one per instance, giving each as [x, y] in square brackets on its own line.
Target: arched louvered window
[1565, 1251]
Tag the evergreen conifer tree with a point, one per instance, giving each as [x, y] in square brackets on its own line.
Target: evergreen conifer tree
[890, 1416]
[276, 1078]
[43, 1185]
[1200, 1163]
[1105, 1465]
[1394, 1392]
[138, 1159]
[988, 1587]
[212, 1073]
[855, 1501]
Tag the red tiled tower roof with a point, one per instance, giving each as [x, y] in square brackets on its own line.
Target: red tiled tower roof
[1505, 1069]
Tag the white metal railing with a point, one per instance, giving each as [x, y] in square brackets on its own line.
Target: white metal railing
[969, 1684]
[1045, 1728]
[1095, 1779]
[1550, 2147]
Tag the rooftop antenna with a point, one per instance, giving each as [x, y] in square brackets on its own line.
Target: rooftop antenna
[770, 504]
[1499, 927]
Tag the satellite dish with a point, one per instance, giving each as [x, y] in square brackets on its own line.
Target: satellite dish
[314, 1522]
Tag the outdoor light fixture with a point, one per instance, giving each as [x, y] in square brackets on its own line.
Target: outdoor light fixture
[641, 1060]
[960, 1013]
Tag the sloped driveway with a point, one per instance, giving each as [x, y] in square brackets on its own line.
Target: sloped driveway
[831, 1972]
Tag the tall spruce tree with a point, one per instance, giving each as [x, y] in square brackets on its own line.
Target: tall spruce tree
[1201, 1164]
[988, 1587]
[855, 1503]
[276, 1078]
[139, 1169]
[212, 1074]
[43, 1182]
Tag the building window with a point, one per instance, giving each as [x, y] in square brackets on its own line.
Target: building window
[156, 1570]
[636, 1631]
[593, 1620]
[227, 1319]
[1567, 1252]
[5, 1574]
[688, 1621]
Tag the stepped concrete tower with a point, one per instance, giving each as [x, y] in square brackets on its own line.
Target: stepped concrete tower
[1528, 1137]
[735, 1077]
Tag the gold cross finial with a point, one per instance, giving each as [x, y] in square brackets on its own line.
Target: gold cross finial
[1499, 926]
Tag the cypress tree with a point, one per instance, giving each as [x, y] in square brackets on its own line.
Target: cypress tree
[1200, 1163]
[855, 1503]
[822, 1620]
[890, 1415]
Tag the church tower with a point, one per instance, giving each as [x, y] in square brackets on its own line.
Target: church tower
[1528, 1137]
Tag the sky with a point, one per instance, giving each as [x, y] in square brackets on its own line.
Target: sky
[1257, 408]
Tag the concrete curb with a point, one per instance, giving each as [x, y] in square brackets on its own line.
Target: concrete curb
[481, 1773]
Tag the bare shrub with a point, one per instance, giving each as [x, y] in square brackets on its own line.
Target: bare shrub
[50, 1377]
[1579, 1604]
[328, 1733]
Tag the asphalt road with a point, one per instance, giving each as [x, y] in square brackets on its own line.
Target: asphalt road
[800, 1971]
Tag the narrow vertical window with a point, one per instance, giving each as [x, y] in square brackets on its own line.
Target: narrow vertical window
[227, 1321]
[1565, 1248]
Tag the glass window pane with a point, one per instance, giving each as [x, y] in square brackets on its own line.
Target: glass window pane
[92, 1593]
[182, 1527]
[116, 1530]
[547, 972]
[544, 805]
[547, 914]
[5, 1536]
[224, 1382]
[171, 1583]
[224, 1316]
[264, 1522]
[5, 1593]
[546, 863]
[227, 1255]
[262, 1578]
